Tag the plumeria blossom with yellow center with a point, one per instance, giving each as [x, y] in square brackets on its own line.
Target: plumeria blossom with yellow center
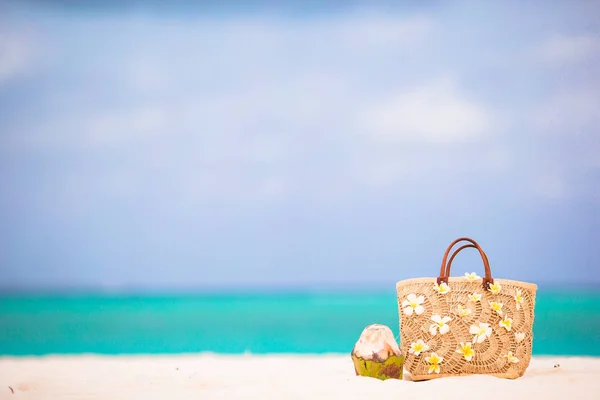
[466, 349]
[440, 324]
[413, 304]
[495, 288]
[506, 323]
[418, 347]
[472, 277]
[519, 299]
[496, 307]
[435, 362]
[481, 332]
[475, 297]
[442, 288]
[462, 311]
[519, 336]
[511, 357]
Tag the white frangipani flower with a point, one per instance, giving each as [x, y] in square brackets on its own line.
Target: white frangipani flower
[472, 276]
[496, 307]
[475, 297]
[511, 357]
[481, 332]
[413, 304]
[440, 324]
[435, 362]
[466, 349]
[506, 323]
[519, 336]
[442, 288]
[462, 311]
[495, 288]
[418, 347]
[519, 298]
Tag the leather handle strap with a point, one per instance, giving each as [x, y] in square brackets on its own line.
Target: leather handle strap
[445, 268]
[466, 246]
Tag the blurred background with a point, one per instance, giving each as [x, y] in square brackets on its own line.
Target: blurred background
[255, 176]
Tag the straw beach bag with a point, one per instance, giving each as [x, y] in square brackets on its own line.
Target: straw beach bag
[465, 325]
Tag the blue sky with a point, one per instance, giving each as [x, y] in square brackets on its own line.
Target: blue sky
[331, 143]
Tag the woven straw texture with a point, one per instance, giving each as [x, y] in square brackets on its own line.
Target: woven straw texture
[504, 352]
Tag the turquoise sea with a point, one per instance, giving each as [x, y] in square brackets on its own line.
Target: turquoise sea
[567, 322]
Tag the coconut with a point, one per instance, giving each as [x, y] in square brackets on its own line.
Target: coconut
[376, 354]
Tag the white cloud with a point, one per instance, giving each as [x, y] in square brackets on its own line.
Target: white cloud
[242, 48]
[569, 49]
[229, 77]
[264, 109]
[436, 112]
[13, 56]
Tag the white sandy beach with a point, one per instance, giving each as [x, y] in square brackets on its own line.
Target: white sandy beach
[272, 377]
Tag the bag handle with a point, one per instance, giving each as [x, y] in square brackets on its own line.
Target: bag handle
[445, 269]
[466, 246]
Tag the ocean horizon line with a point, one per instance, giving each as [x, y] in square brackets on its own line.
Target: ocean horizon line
[237, 289]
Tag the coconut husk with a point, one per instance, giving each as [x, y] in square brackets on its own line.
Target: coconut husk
[376, 354]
